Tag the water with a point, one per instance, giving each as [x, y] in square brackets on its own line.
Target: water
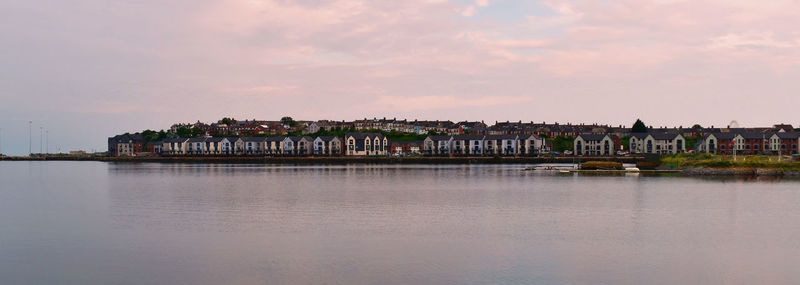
[102, 223]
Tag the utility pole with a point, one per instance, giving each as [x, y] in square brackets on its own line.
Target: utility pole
[30, 137]
[41, 139]
[46, 142]
[1, 141]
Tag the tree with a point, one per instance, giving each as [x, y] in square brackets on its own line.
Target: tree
[150, 135]
[626, 142]
[226, 121]
[697, 126]
[639, 127]
[288, 121]
[183, 132]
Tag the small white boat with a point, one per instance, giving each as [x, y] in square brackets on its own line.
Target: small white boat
[631, 169]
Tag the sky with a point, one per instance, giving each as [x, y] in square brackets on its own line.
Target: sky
[84, 70]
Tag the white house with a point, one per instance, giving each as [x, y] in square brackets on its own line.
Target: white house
[254, 145]
[273, 145]
[593, 144]
[438, 145]
[533, 145]
[657, 143]
[196, 146]
[361, 144]
[328, 146]
[175, 146]
[214, 145]
[502, 145]
[468, 144]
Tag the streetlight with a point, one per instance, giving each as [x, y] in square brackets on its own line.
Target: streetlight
[30, 137]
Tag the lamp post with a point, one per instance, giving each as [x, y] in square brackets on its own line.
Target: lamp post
[30, 137]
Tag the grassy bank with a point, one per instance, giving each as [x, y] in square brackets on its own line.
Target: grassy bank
[695, 160]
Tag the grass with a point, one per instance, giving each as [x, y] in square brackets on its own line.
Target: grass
[719, 161]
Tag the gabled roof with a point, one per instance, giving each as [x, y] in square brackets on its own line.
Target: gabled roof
[298, 138]
[754, 135]
[502, 137]
[468, 137]
[196, 140]
[724, 136]
[664, 136]
[592, 137]
[215, 139]
[440, 138]
[526, 136]
[254, 139]
[786, 135]
[326, 138]
[175, 140]
[276, 139]
[361, 136]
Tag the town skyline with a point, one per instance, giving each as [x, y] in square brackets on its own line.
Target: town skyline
[99, 68]
[54, 137]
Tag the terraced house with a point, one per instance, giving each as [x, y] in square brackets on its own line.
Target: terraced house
[593, 144]
[327, 146]
[657, 143]
[438, 145]
[784, 142]
[366, 144]
[468, 145]
[174, 146]
[196, 146]
[254, 145]
[533, 145]
[770, 142]
[126, 145]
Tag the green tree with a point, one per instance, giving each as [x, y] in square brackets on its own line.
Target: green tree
[184, 132]
[226, 121]
[697, 126]
[626, 142]
[639, 127]
[561, 144]
[288, 121]
[197, 132]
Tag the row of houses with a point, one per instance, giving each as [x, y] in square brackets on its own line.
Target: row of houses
[232, 127]
[654, 142]
[749, 143]
[294, 145]
[355, 144]
[481, 145]
[352, 144]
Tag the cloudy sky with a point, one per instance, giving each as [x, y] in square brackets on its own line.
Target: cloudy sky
[87, 69]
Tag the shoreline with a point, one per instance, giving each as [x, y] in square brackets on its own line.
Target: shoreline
[332, 160]
[691, 171]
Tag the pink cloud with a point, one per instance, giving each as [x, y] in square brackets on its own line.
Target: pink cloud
[343, 58]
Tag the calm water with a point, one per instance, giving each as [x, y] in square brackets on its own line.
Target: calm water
[101, 223]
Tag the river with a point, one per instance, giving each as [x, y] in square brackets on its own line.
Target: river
[150, 223]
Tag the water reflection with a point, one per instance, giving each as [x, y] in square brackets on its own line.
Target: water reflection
[384, 224]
